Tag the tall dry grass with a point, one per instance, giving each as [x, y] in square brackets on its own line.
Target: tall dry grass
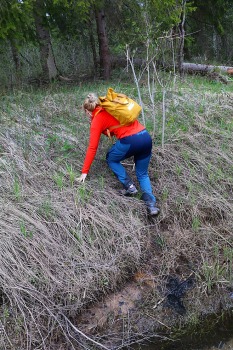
[65, 245]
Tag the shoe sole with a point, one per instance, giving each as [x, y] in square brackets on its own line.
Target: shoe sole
[154, 214]
[128, 194]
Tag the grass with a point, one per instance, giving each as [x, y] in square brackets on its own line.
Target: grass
[65, 245]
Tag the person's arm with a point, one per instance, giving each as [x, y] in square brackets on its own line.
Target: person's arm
[95, 133]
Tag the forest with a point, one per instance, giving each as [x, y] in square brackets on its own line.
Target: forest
[43, 40]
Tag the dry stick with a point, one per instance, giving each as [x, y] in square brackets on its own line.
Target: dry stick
[159, 302]
[218, 234]
[24, 318]
[164, 87]
[61, 313]
[182, 36]
[173, 61]
[163, 103]
[84, 335]
[164, 118]
[148, 337]
[151, 88]
[2, 329]
[130, 60]
[151, 93]
[163, 324]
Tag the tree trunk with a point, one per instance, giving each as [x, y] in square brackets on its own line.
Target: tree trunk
[16, 59]
[49, 68]
[105, 62]
[93, 47]
[15, 56]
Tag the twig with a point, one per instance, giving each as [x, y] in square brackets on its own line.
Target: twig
[84, 335]
[27, 290]
[218, 234]
[163, 324]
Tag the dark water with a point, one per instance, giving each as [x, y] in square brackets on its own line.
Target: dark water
[223, 345]
[217, 344]
[220, 337]
[214, 333]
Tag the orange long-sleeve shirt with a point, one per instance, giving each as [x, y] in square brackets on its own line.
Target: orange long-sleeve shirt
[101, 121]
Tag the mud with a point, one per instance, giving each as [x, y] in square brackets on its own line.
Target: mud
[176, 290]
[180, 318]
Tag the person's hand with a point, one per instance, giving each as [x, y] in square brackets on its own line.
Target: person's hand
[81, 178]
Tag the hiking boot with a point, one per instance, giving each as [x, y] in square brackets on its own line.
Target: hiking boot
[152, 209]
[130, 191]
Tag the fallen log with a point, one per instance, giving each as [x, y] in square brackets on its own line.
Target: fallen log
[190, 68]
[206, 68]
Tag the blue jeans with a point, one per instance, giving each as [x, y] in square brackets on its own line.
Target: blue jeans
[139, 146]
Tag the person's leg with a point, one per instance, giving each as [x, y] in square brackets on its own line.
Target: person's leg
[148, 197]
[142, 159]
[139, 146]
[115, 155]
[141, 168]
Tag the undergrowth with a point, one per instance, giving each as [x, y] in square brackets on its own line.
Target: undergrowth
[65, 245]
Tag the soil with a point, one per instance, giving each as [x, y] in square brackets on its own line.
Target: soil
[132, 316]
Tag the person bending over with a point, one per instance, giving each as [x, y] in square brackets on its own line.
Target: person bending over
[132, 140]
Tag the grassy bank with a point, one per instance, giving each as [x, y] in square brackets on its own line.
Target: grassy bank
[65, 246]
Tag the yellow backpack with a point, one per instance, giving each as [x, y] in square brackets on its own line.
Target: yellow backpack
[120, 106]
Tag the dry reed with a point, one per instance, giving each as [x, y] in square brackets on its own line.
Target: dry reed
[65, 245]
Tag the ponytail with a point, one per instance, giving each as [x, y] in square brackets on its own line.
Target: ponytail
[91, 102]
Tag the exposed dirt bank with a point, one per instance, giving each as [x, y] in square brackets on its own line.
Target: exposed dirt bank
[142, 310]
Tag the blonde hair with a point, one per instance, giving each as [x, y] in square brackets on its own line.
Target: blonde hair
[91, 102]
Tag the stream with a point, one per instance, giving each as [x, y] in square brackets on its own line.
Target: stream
[213, 334]
[220, 344]
[223, 345]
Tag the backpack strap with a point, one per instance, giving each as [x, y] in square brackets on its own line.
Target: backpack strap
[108, 131]
[100, 109]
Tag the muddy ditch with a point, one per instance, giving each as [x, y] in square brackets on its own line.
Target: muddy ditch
[168, 314]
